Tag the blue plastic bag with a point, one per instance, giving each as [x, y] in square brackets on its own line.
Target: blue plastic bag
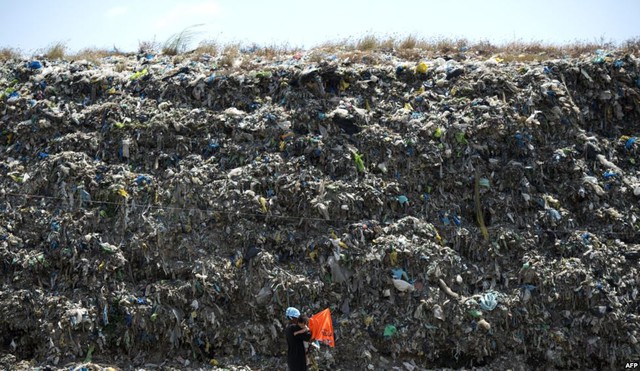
[34, 65]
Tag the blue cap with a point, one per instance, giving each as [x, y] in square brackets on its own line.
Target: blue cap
[292, 313]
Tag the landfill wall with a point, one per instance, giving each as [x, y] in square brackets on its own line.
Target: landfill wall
[451, 212]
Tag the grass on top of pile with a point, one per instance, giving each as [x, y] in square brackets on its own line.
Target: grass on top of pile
[368, 49]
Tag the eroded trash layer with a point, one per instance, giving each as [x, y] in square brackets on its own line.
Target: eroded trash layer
[451, 212]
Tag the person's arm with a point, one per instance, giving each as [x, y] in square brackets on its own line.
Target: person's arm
[303, 334]
[302, 330]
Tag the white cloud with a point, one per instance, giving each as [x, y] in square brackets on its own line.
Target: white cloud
[116, 11]
[199, 12]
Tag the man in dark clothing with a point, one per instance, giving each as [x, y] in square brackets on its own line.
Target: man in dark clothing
[297, 333]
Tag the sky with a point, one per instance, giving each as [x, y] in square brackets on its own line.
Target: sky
[33, 25]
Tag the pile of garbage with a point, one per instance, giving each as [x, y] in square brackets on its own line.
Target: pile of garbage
[460, 211]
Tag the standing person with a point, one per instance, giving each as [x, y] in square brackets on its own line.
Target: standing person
[297, 333]
[303, 323]
[303, 320]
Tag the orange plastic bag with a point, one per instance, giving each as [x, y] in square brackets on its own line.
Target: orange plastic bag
[321, 327]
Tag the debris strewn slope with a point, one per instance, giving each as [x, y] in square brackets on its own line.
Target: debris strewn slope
[451, 212]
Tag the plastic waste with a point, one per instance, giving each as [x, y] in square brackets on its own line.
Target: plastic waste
[35, 65]
[488, 301]
[389, 331]
[147, 213]
[402, 285]
[421, 67]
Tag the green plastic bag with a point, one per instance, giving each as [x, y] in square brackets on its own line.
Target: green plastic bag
[389, 331]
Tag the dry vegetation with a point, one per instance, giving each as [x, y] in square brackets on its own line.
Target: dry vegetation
[94, 55]
[413, 46]
[229, 55]
[366, 49]
[148, 46]
[274, 50]
[8, 53]
[179, 42]
[55, 51]
[631, 46]
[208, 47]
